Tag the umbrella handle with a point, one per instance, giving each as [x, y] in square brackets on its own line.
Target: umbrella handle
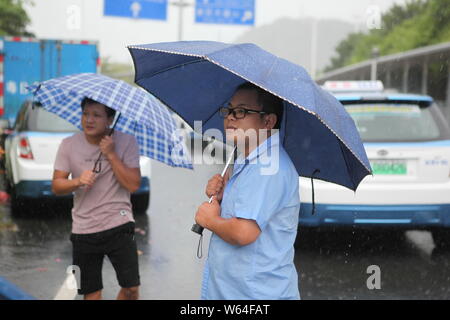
[196, 227]
[199, 230]
[97, 164]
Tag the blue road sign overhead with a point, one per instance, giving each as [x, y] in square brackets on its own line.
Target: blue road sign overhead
[240, 12]
[139, 9]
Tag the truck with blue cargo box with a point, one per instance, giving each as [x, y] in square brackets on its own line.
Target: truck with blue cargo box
[24, 61]
[32, 141]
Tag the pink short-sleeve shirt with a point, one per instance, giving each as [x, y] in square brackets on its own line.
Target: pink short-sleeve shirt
[106, 204]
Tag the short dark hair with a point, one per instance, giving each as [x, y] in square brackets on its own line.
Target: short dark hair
[269, 102]
[109, 111]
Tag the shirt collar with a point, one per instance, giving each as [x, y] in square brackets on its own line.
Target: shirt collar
[266, 145]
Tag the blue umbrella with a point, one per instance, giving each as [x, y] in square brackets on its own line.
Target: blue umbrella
[195, 78]
[141, 114]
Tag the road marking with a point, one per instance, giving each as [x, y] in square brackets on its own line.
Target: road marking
[68, 290]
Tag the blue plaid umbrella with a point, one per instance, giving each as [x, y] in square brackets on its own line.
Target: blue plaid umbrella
[141, 114]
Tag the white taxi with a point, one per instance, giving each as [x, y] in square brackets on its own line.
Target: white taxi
[407, 141]
[30, 152]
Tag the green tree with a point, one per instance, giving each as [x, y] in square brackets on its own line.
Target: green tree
[345, 50]
[439, 13]
[398, 13]
[13, 18]
[415, 24]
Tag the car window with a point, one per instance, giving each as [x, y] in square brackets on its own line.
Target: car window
[21, 118]
[384, 121]
[40, 119]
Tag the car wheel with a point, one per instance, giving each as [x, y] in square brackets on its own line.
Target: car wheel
[441, 237]
[140, 203]
[8, 187]
[18, 206]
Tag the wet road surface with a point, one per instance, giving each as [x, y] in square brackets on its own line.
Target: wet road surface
[35, 251]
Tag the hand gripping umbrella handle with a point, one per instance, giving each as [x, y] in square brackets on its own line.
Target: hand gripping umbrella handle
[196, 227]
[97, 164]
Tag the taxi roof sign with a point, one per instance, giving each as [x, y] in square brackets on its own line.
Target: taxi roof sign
[354, 86]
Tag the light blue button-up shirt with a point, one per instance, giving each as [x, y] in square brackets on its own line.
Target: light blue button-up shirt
[263, 187]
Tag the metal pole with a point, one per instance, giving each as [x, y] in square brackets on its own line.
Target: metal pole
[405, 77]
[181, 5]
[180, 21]
[425, 76]
[373, 69]
[388, 76]
[314, 48]
[447, 95]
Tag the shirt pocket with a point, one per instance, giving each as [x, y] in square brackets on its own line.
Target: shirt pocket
[227, 212]
[288, 218]
[227, 205]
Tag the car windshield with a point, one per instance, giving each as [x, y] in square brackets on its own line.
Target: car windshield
[394, 122]
[42, 120]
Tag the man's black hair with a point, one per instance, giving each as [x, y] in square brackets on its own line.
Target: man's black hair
[269, 102]
[109, 111]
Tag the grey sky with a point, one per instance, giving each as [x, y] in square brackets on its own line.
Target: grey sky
[83, 19]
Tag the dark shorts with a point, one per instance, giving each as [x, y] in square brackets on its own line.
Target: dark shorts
[118, 244]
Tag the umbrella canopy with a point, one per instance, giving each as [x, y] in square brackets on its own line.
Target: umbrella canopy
[195, 78]
[141, 114]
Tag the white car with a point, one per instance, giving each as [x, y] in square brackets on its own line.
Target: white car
[407, 141]
[30, 152]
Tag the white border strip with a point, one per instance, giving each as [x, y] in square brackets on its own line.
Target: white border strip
[68, 290]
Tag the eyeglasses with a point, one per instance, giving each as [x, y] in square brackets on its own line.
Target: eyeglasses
[238, 113]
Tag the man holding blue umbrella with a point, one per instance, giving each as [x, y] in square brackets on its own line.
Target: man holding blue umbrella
[254, 213]
[194, 78]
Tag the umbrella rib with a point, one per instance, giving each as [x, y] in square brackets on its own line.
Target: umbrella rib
[271, 68]
[346, 166]
[177, 66]
[209, 118]
[165, 103]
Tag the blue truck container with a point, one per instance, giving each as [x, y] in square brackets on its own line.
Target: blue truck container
[24, 61]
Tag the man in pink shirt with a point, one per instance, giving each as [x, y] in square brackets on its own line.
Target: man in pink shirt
[103, 222]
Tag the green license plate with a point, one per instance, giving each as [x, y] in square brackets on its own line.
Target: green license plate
[391, 167]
